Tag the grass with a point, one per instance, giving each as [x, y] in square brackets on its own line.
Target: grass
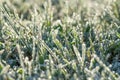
[59, 40]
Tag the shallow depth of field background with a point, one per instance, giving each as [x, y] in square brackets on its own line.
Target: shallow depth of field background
[59, 39]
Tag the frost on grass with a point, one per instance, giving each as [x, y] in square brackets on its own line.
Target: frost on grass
[59, 39]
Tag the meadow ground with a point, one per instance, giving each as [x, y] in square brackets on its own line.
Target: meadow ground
[59, 40]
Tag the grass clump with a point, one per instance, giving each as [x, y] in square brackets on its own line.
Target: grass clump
[52, 40]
